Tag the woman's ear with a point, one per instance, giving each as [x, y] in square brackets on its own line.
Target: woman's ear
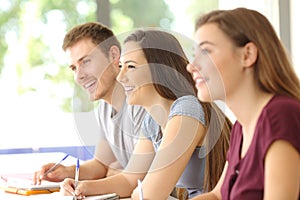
[114, 54]
[250, 53]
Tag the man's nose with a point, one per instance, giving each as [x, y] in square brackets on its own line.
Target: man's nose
[79, 74]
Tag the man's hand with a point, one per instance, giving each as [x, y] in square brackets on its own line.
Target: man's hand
[57, 175]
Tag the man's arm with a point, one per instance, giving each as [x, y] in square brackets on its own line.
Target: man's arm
[98, 167]
[114, 168]
[122, 183]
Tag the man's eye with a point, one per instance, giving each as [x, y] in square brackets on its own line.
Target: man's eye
[73, 68]
[86, 61]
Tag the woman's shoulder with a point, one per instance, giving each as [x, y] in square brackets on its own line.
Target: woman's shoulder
[186, 102]
[188, 106]
[283, 105]
[281, 120]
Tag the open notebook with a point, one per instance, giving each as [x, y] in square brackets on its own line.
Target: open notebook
[21, 184]
[58, 196]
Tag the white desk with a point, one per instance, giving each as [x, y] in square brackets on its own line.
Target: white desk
[28, 163]
[6, 196]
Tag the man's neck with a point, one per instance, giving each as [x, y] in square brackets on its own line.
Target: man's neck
[116, 97]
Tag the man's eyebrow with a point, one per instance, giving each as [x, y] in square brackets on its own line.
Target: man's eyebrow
[79, 60]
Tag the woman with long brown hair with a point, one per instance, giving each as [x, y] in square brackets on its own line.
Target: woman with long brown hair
[258, 83]
[183, 142]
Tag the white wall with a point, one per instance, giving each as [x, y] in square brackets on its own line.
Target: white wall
[295, 33]
[270, 8]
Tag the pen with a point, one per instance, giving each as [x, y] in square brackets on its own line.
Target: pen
[55, 166]
[76, 177]
[140, 188]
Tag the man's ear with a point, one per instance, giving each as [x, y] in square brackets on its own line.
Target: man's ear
[250, 53]
[114, 54]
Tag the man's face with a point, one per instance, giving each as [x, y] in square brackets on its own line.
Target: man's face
[92, 69]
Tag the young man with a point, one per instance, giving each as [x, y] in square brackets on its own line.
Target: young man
[94, 54]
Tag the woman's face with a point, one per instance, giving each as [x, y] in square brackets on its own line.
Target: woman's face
[135, 75]
[215, 66]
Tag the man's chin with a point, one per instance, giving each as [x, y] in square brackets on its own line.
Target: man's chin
[94, 98]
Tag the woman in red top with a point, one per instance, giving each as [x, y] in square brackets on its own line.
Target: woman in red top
[240, 60]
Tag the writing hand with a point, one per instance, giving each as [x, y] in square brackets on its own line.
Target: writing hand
[57, 175]
[67, 188]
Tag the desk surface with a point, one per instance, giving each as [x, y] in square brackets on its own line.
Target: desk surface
[28, 163]
[7, 196]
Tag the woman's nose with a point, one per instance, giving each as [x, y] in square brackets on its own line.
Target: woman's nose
[121, 76]
[191, 68]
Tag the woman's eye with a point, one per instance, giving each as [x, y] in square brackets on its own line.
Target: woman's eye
[131, 67]
[204, 51]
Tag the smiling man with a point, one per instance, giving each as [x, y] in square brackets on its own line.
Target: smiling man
[94, 54]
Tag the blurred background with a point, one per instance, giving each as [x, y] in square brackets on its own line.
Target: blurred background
[40, 104]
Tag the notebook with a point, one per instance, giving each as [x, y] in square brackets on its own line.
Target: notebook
[21, 184]
[58, 196]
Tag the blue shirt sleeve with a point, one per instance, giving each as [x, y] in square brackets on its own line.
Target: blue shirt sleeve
[184, 106]
[188, 106]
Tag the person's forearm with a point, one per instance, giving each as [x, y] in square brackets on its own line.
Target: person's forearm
[206, 196]
[114, 184]
[91, 170]
[113, 169]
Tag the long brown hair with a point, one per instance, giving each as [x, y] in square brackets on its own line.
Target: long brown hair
[273, 70]
[171, 80]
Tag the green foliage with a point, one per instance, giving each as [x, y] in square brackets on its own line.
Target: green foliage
[139, 13]
[197, 8]
[8, 20]
[25, 23]
[31, 34]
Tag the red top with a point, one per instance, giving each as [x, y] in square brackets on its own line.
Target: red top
[279, 120]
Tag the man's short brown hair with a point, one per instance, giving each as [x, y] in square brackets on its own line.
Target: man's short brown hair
[97, 32]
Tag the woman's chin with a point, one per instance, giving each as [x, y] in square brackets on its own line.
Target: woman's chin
[204, 98]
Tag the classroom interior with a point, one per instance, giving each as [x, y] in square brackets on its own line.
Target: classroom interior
[32, 121]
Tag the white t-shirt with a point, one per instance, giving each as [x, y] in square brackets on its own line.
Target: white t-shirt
[120, 129]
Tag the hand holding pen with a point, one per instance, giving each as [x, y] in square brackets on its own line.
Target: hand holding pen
[55, 166]
[140, 188]
[76, 179]
[49, 168]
